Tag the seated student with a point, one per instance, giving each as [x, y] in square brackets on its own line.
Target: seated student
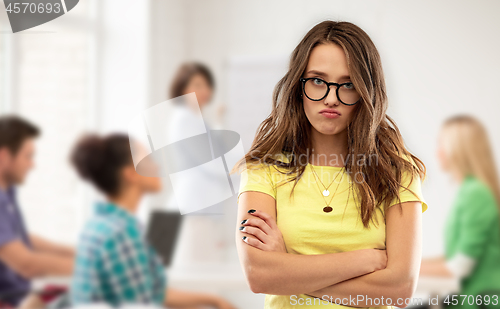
[22, 256]
[472, 230]
[114, 263]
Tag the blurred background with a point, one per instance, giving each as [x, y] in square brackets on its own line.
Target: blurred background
[96, 67]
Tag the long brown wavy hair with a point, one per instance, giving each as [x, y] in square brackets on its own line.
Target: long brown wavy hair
[371, 133]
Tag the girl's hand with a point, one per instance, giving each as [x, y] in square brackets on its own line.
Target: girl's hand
[263, 227]
[379, 258]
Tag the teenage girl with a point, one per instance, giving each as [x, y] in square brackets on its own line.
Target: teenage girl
[330, 201]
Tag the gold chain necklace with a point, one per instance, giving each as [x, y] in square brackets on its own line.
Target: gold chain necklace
[327, 208]
[325, 192]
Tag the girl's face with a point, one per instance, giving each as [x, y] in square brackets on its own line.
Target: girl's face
[150, 184]
[148, 179]
[199, 85]
[145, 184]
[328, 116]
[441, 153]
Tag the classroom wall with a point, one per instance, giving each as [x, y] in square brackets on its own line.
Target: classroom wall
[440, 58]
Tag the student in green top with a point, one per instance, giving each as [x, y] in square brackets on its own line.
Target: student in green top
[472, 234]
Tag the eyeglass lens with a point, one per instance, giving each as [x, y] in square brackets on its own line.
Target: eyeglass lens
[316, 89]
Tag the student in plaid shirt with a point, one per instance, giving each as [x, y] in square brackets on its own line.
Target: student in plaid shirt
[114, 263]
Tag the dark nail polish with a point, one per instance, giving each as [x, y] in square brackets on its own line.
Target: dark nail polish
[251, 211]
[241, 228]
[244, 221]
[244, 237]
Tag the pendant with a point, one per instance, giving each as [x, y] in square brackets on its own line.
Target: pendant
[326, 193]
[327, 209]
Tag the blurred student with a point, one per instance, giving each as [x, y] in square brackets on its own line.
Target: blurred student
[189, 118]
[472, 234]
[22, 256]
[114, 263]
[194, 77]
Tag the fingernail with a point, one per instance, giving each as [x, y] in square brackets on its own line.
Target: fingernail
[244, 221]
[251, 211]
[244, 237]
[241, 228]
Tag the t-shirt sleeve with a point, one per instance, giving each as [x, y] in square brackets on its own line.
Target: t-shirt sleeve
[410, 191]
[478, 214]
[257, 178]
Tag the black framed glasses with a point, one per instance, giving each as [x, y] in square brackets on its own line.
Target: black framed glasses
[317, 89]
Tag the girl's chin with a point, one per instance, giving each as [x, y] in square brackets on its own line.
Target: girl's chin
[329, 130]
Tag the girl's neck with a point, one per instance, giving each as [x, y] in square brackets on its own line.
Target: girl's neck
[128, 199]
[329, 150]
[3, 184]
[457, 176]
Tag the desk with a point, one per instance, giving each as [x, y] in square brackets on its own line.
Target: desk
[226, 280]
[230, 282]
[210, 275]
[202, 276]
[430, 287]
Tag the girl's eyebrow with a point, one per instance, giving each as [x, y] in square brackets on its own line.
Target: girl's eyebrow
[324, 75]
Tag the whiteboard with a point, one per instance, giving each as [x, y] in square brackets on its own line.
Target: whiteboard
[251, 80]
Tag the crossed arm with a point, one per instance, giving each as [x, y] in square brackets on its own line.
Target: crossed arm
[269, 269]
[398, 280]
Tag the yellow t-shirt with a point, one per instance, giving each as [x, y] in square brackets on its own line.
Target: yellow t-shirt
[308, 230]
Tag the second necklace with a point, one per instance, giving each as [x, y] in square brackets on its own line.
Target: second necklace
[327, 208]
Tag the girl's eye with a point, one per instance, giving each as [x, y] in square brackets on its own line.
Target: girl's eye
[349, 86]
[318, 82]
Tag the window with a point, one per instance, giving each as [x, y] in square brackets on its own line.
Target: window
[45, 75]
